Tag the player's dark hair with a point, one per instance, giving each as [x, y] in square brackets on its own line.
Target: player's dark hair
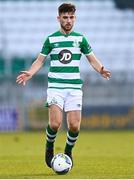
[66, 8]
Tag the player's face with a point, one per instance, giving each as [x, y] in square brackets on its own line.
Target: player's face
[67, 21]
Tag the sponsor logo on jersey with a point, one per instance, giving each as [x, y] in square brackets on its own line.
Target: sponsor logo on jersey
[65, 56]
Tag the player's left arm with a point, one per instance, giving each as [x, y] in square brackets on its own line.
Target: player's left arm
[97, 65]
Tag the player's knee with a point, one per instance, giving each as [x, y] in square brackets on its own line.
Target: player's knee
[74, 127]
[55, 126]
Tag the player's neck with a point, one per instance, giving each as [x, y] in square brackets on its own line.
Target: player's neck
[65, 32]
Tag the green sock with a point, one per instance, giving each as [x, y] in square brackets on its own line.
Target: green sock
[71, 140]
[50, 137]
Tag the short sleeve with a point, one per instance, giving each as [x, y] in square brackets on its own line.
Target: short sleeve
[46, 49]
[85, 46]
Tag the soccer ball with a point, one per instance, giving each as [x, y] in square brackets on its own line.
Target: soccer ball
[61, 163]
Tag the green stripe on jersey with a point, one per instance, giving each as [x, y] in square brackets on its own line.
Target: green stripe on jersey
[70, 69]
[68, 81]
[74, 57]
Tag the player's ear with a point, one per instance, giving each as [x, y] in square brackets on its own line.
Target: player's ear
[58, 18]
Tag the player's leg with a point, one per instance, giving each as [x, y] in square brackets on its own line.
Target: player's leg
[73, 122]
[73, 105]
[55, 101]
[55, 120]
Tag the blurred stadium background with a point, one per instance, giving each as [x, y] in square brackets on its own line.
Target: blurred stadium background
[109, 26]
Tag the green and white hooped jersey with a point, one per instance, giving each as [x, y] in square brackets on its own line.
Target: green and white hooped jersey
[65, 52]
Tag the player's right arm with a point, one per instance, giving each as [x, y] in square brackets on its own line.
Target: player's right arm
[37, 64]
[26, 75]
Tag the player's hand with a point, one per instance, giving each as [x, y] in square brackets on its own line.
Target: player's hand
[23, 77]
[105, 73]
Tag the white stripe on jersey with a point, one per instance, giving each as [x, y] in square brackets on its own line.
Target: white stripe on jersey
[64, 75]
[74, 63]
[63, 38]
[64, 85]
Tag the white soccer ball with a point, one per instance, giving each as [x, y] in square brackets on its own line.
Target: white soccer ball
[61, 163]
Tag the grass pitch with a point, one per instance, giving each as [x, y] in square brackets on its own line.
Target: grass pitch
[97, 154]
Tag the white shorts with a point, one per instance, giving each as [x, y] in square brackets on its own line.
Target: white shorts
[67, 99]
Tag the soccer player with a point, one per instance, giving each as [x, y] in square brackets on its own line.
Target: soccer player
[64, 84]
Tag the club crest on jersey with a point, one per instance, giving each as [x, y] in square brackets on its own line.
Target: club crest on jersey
[76, 43]
[65, 56]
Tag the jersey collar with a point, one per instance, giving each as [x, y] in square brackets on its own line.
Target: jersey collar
[66, 35]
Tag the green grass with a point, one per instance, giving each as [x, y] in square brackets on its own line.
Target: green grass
[98, 154]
